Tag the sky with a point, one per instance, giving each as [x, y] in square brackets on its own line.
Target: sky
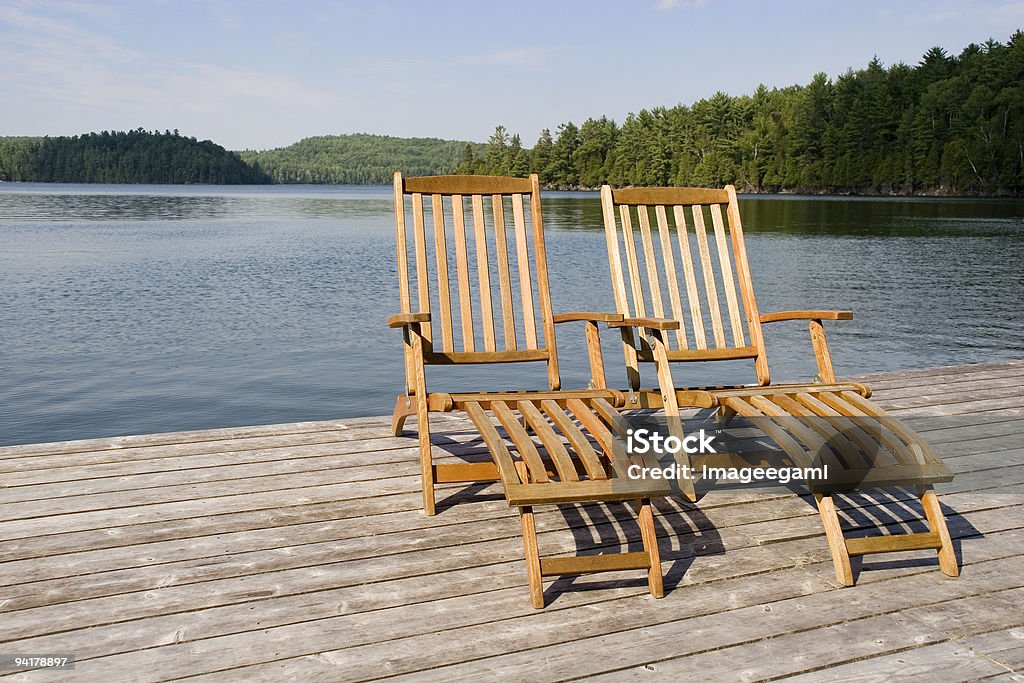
[262, 74]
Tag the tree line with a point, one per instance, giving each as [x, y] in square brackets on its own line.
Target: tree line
[358, 159]
[952, 124]
[136, 156]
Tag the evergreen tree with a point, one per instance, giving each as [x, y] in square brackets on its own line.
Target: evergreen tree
[561, 169]
[540, 156]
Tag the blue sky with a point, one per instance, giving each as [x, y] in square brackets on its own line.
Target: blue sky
[266, 74]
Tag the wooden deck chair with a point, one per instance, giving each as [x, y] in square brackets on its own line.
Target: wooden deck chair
[678, 255]
[461, 243]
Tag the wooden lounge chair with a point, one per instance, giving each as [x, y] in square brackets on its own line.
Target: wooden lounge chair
[679, 271]
[451, 319]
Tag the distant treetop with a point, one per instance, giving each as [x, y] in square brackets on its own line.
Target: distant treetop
[949, 125]
[358, 159]
[135, 156]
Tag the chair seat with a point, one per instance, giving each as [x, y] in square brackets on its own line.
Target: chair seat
[570, 453]
[835, 425]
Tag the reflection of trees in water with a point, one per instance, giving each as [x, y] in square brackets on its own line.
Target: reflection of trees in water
[146, 207]
[826, 215]
[119, 207]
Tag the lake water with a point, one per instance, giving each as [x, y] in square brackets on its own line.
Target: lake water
[136, 309]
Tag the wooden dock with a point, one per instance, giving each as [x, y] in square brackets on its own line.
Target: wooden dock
[299, 552]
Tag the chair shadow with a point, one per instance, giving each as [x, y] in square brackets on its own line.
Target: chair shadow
[684, 533]
[897, 510]
[468, 450]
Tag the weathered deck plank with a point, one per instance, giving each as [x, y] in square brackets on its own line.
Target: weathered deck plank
[299, 551]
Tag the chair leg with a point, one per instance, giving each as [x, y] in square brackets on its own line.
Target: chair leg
[426, 460]
[671, 405]
[836, 540]
[937, 524]
[532, 556]
[687, 486]
[405, 406]
[645, 514]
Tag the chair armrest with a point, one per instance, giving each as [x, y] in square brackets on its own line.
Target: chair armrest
[806, 315]
[651, 323]
[403, 319]
[587, 316]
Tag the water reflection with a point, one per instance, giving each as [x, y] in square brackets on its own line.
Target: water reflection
[145, 309]
[32, 202]
[829, 215]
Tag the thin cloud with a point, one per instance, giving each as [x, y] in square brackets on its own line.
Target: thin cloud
[998, 16]
[66, 72]
[38, 33]
[668, 5]
[524, 56]
[528, 57]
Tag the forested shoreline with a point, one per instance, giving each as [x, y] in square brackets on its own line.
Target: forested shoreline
[136, 156]
[950, 125]
[359, 159]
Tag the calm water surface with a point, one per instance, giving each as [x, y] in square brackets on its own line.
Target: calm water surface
[135, 309]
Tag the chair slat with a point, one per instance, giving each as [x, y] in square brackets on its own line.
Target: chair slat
[613, 449]
[709, 276]
[495, 444]
[611, 416]
[868, 444]
[612, 243]
[850, 408]
[552, 443]
[652, 196]
[419, 238]
[739, 249]
[462, 272]
[444, 295]
[650, 261]
[483, 269]
[576, 438]
[776, 433]
[892, 425]
[508, 318]
[727, 276]
[671, 275]
[700, 337]
[466, 184]
[525, 278]
[816, 445]
[524, 444]
[636, 284]
[405, 302]
[852, 454]
[540, 257]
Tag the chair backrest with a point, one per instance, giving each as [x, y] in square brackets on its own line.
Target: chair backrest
[677, 270]
[469, 266]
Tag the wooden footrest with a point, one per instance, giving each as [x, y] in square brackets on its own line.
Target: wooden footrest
[893, 544]
[589, 564]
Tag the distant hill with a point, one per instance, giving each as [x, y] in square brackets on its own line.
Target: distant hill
[358, 159]
[135, 156]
